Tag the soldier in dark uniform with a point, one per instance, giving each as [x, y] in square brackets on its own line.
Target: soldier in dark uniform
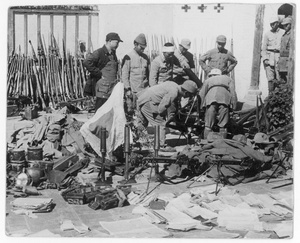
[219, 58]
[103, 67]
[285, 49]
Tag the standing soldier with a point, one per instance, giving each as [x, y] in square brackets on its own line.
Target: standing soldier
[219, 58]
[135, 68]
[103, 67]
[270, 52]
[165, 67]
[285, 49]
[185, 58]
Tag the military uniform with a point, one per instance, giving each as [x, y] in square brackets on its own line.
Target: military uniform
[218, 59]
[162, 70]
[285, 46]
[284, 52]
[270, 52]
[103, 68]
[156, 103]
[217, 94]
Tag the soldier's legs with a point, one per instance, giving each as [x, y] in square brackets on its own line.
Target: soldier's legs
[154, 119]
[210, 118]
[223, 115]
[271, 75]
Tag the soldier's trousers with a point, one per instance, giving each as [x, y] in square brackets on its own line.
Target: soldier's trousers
[215, 112]
[146, 115]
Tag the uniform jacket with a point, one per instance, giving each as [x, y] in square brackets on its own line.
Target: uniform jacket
[135, 71]
[95, 63]
[162, 71]
[271, 46]
[218, 59]
[284, 52]
[186, 60]
[160, 96]
[219, 89]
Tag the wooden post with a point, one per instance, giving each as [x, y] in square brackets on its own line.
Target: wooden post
[11, 32]
[291, 66]
[65, 30]
[25, 34]
[258, 35]
[76, 33]
[51, 25]
[89, 33]
[39, 28]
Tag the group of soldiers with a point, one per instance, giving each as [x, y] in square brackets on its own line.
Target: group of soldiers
[157, 87]
[275, 51]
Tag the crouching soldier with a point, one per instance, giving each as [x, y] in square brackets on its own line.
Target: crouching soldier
[158, 103]
[217, 95]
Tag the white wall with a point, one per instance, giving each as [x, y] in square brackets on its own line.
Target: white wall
[235, 21]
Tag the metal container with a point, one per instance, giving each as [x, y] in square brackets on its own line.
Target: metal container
[17, 156]
[34, 153]
[17, 167]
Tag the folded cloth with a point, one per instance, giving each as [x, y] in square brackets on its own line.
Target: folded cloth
[36, 205]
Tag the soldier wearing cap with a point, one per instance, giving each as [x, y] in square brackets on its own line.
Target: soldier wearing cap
[103, 67]
[219, 58]
[165, 67]
[136, 68]
[185, 58]
[285, 45]
[270, 52]
[159, 102]
[217, 95]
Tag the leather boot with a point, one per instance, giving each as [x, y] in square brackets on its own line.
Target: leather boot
[223, 132]
[207, 130]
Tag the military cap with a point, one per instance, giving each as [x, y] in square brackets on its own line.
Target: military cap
[113, 36]
[190, 86]
[221, 39]
[141, 39]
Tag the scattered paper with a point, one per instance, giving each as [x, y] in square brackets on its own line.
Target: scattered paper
[19, 233]
[214, 206]
[252, 200]
[182, 202]
[66, 225]
[197, 211]
[36, 205]
[178, 220]
[234, 218]
[232, 200]
[217, 234]
[44, 233]
[138, 228]
[257, 235]
[284, 230]
[149, 214]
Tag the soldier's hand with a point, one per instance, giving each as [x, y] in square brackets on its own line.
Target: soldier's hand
[225, 71]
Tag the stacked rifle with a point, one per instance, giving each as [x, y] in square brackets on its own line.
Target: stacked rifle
[47, 78]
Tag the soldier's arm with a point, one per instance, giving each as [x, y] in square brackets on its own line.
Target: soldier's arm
[232, 61]
[233, 94]
[90, 63]
[126, 72]
[202, 62]
[153, 76]
[167, 100]
[264, 48]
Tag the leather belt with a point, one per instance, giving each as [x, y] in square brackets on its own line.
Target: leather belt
[218, 85]
[276, 51]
